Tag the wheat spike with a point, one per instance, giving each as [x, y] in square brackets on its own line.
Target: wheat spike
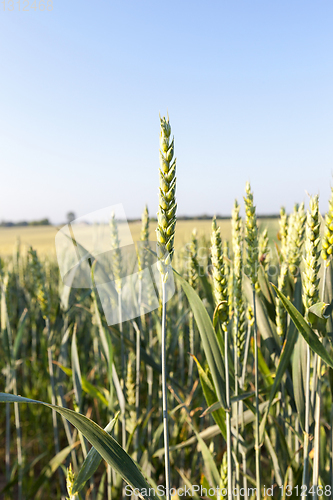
[219, 276]
[166, 215]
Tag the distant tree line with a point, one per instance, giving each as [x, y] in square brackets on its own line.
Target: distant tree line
[209, 217]
[41, 222]
[218, 216]
[71, 216]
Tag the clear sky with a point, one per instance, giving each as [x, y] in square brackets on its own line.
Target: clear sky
[248, 85]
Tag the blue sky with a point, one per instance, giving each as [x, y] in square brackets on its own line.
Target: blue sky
[247, 84]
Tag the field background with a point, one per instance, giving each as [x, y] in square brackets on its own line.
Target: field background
[42, 238]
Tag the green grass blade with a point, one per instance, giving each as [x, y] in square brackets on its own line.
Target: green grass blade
[106, 446]
[76, 371]
[91, 463]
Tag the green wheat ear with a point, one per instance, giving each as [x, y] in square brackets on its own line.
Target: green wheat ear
[224, 473]
[327, 244]
[40, 290]
[292, 254]
[70, 479]
[144, 235]
[220, 280]
[264, 251]
[166, 215]
[295, 238]
[282, 278]
[144, 242]
[130, 391]
[116, 254]
[193, 262]
[238, 303]
[312, 253]
[251, 236]
[283, 232]
[280, 310]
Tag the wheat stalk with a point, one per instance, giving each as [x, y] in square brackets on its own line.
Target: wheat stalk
[311, 297]
[165, 232]
[220, 287]
[251, 238]
[239, 321]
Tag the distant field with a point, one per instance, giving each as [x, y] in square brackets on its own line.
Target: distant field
[42, 238]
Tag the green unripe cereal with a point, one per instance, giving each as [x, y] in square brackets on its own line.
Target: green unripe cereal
[144, 242]
[280, 310]
[264, 251]
[250, 316]
[283, 232]
[116, 254]
[40, 291]
[192, 265]
[238, 303]
[167, 202]
[70, 479]
[251, 236]
[219, 276]
[224, 474]
[312, 253]
[295, 238]
[292, 235]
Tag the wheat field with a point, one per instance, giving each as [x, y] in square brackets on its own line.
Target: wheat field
[223, 389]
[42, 238]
